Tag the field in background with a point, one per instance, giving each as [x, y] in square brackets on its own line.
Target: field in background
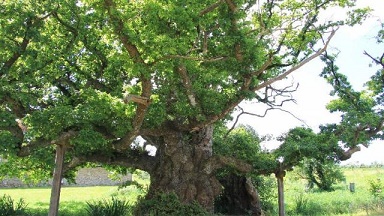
[338, 202]
[341, 201]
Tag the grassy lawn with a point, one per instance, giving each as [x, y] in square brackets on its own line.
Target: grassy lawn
[79, 194]
[341, 201]
[338, 202]
[72, 199]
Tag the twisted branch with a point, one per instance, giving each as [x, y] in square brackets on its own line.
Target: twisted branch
[125, 142]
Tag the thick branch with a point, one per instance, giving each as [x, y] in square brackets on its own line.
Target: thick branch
[16, 106]
[30, 23]
[145, 80]
[125, 142]
[133, 160]
[237, 47]
[211, 7]
[8, 64]
[217, 162]
[231, 5]
[75, 162]
[294, 68]
[206, 60]
[186, 81]
[345, 155]
[119, 30]
[63, 140]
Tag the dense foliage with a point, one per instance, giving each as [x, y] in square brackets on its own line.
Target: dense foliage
[94, 75]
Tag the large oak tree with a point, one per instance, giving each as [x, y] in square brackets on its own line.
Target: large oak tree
[92, 76]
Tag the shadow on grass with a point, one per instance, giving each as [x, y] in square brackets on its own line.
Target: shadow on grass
[67, 208]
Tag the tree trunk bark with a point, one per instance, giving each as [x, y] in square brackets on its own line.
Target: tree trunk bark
[183, 168]
[239, 197]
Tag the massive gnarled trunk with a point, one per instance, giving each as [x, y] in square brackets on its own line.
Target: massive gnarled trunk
[184, 167]
[184, 164]
[239, 196]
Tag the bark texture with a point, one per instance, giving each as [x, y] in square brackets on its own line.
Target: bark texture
[184, 168]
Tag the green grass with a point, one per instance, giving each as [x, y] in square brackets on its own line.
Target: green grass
[31, 195]
[339, 202]
[72, 199]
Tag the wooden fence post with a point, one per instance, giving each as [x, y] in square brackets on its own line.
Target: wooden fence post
[352, 187]
[56, 182]
[280, 186]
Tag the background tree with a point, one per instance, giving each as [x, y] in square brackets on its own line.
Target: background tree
[361, 122]
[323, 174]
[92, 76]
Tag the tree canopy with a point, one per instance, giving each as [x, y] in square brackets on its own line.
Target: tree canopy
[94, 75]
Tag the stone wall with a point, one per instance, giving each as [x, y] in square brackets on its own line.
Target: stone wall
[97, 176]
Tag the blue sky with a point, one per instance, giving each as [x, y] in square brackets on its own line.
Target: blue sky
[313, 93]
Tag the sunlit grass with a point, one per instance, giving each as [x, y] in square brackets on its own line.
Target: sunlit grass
[341, 201]
[72, 199]
[32, 195]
